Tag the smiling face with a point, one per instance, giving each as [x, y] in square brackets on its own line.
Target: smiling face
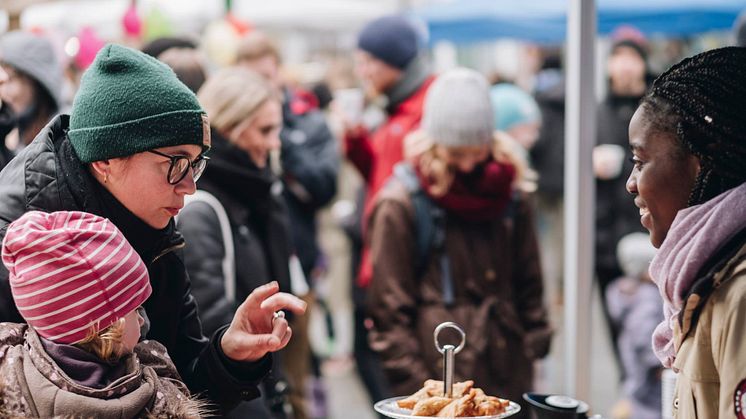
[662, 178]
[140, 183]
[260, 135]
[375, 74]
[464, 159]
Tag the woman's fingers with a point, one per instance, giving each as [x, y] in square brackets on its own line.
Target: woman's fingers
[279, 326]
[261, 293]
[284, 301]
[286, 338]
[282, 331]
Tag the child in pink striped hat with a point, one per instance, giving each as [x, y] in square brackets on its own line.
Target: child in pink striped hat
[78, 284]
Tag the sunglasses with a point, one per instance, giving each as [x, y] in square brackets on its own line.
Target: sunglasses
[180, 166]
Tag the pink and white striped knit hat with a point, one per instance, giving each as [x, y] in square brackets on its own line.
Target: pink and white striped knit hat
[70, 270]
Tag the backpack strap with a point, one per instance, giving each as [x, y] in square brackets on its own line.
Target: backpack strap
[229, 260]
[430, 229]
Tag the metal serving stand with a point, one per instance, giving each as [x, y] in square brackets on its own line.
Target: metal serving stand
[391, 409]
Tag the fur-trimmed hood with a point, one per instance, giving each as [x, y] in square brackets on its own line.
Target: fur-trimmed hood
[33, 385]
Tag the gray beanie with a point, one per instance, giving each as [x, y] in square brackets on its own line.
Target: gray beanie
[34, 56]
[634, 253]
[458, 110]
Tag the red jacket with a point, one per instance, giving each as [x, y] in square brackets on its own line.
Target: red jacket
[375, 155]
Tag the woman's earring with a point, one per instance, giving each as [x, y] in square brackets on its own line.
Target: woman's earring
[106, 177]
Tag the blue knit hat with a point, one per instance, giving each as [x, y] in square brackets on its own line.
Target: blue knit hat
[512, 106]
[391, 39]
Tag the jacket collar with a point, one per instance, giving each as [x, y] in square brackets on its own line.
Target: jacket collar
[84, 367]
[713, 276]
[128, 381]
[415, 75]
[233, 177]
[78, 189]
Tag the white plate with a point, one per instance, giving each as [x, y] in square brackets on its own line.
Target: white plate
[390, 409]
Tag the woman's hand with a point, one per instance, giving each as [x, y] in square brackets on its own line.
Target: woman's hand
[255, 330]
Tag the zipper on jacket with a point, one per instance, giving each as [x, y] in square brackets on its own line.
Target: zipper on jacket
[169, 250]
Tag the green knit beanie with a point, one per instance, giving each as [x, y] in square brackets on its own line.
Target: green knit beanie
[129, 102]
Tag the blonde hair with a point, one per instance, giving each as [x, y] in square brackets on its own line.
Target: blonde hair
[440, 174]
[232, 96]
[106, 344]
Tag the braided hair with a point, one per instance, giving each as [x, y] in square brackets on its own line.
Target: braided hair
[701, 101]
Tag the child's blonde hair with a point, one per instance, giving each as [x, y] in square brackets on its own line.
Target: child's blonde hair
[440, 174]
[106, 344]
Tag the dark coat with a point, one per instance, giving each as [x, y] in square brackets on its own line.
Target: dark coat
[616, 213]
[47, 176]
[310, 163]
[260, 231]
[498, 299]
[548, 154]
[33, 385]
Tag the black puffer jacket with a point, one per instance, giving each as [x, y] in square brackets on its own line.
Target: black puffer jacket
[616, 213]
[548, 154]
[47, 176]
[260, 232]
[310, 163]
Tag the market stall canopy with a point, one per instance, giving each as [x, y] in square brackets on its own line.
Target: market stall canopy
[544, 21]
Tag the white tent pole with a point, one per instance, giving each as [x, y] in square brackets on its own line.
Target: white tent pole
[580, 125]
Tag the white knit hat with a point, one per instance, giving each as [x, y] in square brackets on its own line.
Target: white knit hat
[634, 253]
[458, 110]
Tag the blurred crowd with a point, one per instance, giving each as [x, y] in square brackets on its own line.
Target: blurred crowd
[448, 188]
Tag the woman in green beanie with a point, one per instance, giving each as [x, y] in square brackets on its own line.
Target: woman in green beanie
[131, 150]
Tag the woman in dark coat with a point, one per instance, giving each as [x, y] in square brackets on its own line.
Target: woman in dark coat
[131, 151]
[484, 274]
[246, 119]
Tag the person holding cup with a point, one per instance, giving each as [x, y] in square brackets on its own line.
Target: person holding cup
[390, 64]
[615, 215]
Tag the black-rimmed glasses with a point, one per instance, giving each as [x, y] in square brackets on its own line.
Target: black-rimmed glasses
[180, 166]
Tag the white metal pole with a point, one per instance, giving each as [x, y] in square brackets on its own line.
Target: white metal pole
[580, 123]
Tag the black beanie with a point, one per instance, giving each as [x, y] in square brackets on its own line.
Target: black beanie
[628, 43]
[391, 39]
[157, 46]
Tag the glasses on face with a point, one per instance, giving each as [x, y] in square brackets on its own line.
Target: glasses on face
[180, 166]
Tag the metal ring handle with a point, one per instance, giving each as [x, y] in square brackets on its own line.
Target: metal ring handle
[454, 326]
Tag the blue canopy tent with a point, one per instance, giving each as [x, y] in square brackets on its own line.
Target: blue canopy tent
[545, 21]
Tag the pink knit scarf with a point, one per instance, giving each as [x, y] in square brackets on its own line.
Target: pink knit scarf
[696, 233]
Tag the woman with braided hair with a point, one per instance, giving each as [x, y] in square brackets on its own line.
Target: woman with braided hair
[689, 152]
